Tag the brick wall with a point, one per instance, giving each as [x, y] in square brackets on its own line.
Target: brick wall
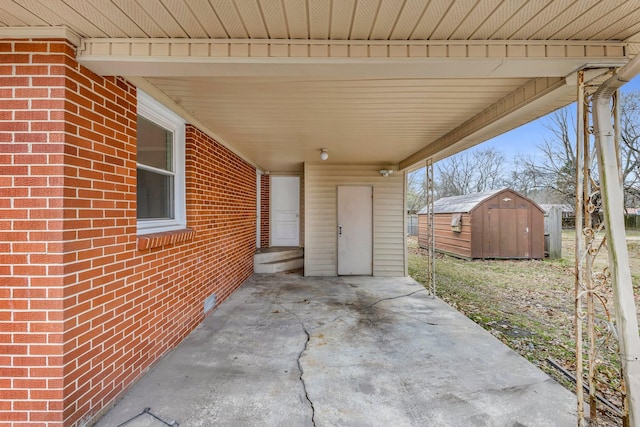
[83, 311]
[264, 211]
[33, 231]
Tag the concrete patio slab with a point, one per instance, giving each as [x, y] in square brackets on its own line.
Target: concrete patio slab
[285, 350]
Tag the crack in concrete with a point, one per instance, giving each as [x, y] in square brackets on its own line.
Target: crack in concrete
[396, 297]
[299, 362]
[304, 384]
[308, 339]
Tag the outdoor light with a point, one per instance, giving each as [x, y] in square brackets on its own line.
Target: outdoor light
[385, 172]
[323, 154]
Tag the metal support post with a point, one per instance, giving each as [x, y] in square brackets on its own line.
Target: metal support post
[579, 246]
[619, 270]
[431, 239]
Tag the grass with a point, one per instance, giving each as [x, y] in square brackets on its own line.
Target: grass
[528, 305]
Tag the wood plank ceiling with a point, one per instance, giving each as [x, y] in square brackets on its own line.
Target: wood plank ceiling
[278, 122]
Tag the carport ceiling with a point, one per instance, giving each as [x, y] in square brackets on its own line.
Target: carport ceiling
[388, 82]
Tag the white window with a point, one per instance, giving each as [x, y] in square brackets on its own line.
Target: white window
[160, 167]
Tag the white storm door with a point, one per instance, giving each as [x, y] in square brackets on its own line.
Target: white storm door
[285, 210]
[355, 231]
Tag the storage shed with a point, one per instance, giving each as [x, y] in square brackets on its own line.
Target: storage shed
[495, 224]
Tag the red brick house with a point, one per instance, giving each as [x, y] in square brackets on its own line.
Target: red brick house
[135, 142]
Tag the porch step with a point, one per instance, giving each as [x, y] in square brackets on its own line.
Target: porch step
[277, 260]
[264, 256]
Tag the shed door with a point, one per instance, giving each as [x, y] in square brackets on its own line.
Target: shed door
[355, 230]
[522, 227]
[508, 233]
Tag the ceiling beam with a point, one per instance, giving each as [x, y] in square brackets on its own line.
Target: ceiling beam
[345, 58]
[56, 32]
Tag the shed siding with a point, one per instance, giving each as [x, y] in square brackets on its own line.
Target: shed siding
[493, 226]
[321, 183]
[449, 241]
[423, 231]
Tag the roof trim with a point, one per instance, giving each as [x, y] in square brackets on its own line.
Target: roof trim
[420, 59]
[60, 32]
[467, 203]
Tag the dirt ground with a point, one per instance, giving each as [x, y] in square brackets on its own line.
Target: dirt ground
[529, 305]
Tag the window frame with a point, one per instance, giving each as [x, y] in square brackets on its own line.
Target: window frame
[155, 112]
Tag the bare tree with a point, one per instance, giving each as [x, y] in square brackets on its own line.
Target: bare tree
[630, 146]
[416, 191]
[553, 172]
[523, 179]
[490, 170]
[471, 171]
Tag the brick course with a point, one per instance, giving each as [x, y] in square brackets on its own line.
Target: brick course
[86, 306]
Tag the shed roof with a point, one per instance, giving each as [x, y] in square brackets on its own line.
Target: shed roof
[463, 204]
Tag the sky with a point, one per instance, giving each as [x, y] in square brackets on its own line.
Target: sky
[524, 140]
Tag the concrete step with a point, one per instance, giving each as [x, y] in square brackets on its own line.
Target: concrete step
[268, 255]
[279, 265]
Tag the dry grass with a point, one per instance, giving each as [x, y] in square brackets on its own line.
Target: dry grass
[529, 305]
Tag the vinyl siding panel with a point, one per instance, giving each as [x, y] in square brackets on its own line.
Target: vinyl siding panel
[320, 230]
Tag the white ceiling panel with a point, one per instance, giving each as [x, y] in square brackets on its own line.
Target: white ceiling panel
[384, 121]
[433, 14]
[363, 19]
[163, 18]
[207, 17]
[231, 19]
[411, 14]
[138, 15]
[373, 81]
[332, 19]
[16, 15]
[297, 19]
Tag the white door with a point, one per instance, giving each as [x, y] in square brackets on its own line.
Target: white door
[355, 231]
[284, 192]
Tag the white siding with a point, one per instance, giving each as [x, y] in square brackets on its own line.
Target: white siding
[320, 252]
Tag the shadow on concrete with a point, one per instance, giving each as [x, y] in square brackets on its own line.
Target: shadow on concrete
[285, 350]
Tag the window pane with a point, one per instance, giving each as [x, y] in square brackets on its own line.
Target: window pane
[155, 195]
[155, 145]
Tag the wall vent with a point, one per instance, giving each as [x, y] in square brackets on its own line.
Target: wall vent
[209, 303]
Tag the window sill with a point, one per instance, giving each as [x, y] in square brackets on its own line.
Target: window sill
[155, 240]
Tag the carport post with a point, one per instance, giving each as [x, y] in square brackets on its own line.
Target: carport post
[431, 233]
[580, 149]
[613, 206]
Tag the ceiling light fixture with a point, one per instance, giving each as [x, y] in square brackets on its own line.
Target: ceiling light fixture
[323, 154]
[385, 172]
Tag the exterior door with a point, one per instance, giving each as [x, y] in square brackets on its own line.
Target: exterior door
[508, 233]
[355, 231]
[522, 225]
[284, 193]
